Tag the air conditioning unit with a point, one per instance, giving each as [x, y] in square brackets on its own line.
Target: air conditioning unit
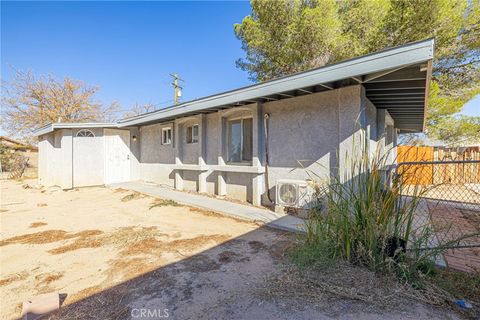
[295, 193]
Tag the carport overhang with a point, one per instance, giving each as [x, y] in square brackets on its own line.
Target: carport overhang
[395, 79]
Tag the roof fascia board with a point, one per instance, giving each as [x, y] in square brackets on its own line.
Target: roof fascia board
[54, 126]
[377, 62]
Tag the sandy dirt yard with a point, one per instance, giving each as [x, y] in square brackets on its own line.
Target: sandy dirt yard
[112, 254]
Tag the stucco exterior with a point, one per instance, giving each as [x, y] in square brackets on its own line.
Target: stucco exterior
[308, 137]
[313, 124]
[305, 136]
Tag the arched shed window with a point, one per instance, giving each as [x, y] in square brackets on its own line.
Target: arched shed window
[85, 133]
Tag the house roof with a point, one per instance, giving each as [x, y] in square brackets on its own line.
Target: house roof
[65, 125]
[396, 79]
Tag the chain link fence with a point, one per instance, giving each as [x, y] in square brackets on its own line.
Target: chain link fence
[448, 194]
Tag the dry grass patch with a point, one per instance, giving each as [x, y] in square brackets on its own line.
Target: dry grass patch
[126, 269]
[84, 239]
[119, 238]
[13, 278]
[37, 224]
[49, 236]
[44, 280]
[42, 237]
[347, 282]
[154, 246]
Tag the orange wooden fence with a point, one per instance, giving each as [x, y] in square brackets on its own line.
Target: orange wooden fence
[428, 174]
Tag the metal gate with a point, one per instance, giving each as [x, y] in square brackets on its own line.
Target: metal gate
[449, 201]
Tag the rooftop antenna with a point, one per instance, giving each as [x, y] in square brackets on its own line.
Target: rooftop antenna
[177, 88]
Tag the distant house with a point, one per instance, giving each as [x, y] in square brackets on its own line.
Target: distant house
[16, 145]
[12, 149]
[218, 144]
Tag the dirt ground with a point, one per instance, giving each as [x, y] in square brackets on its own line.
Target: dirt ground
[114, 254]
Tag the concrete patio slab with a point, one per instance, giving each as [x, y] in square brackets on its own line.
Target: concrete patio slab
[237, 210]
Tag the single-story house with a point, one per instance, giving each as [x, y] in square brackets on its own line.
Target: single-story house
[222, 144]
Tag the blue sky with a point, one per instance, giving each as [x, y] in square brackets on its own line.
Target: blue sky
[130, 48]
[127, 48]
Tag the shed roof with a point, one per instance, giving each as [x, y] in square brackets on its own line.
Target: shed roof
[396, 79]
[72, 125]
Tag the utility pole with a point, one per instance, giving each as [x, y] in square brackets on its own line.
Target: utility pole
[177, 88]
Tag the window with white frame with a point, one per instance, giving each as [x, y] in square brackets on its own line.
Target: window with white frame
[240, 141]
[192, 134]
[85, 133]
[167, 136]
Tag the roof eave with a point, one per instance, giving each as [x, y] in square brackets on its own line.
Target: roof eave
[418, 52]
[55, 126]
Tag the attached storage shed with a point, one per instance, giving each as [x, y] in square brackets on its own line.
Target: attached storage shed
[77, 155]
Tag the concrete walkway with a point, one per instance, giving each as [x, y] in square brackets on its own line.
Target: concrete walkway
[241, 211]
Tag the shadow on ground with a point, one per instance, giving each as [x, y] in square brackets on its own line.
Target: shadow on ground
[233, 280]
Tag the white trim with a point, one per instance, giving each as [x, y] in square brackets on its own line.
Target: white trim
[195, 139]
[53, 126]
[165, 129]
[241, 140]
[88, 133]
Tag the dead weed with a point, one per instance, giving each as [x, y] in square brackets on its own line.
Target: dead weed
[164, 203]
[133, 196]
[346, 281]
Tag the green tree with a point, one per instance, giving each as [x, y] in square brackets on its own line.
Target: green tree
[286, 36]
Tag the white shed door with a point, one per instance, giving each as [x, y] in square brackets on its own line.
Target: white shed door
[117, 155]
